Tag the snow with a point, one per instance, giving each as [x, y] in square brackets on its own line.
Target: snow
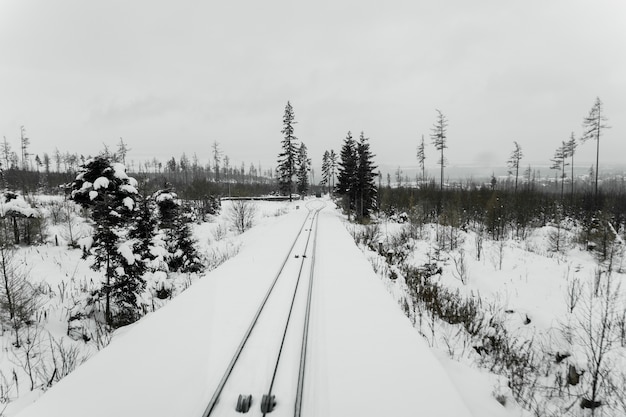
[130, 189]
[366, 359]
[165, 196]
[129, 203]
[93, 195]
[16, 204]
[101, 182]
[126, 251]
[119, 171]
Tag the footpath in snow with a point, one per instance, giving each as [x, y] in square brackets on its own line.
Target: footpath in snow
[365, 359]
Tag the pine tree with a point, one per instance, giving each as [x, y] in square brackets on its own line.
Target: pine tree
[122, 151]
[175, 220]
[346, 179]
[217, 156]
[514, 161]
[421, 157]
[559, 164]
[366, 185]
[303, 169]
[287, 158]
[142, 232]
[571, 146]
[57, 159]
[439, 138]
[5, 150]
[332, 166]
[593, 125]
[185, 256]
[326, 170]
[24, 143]
[111, 195]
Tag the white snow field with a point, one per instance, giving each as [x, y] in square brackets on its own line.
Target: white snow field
[364, 357]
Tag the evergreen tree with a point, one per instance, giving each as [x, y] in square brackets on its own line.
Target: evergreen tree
[346, 179]
[226, 169]
[142, 233]
[558, 163]
[185, 257]
[217, 156]
[122, 151]
[24, 143]
[571, 146]
[287, 158]
[304, 167]
[421, 157]
[326, 170]
[332, 161]
[439, 138]
[593, 125]
[366, 185]
[5, 150]
[175, 220]
[514, 161]
[111, 195]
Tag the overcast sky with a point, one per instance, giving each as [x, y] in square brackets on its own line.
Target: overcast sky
[175, 76]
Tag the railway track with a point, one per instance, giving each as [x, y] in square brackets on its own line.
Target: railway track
[260, 378]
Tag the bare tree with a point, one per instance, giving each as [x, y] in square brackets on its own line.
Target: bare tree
[597, 322]
[18, 298]
[29, 356]
[242, 214]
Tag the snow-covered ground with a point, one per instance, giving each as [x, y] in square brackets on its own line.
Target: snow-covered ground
[365, 356]
[545, 300]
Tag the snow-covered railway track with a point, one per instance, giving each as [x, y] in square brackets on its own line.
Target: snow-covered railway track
[277, 334]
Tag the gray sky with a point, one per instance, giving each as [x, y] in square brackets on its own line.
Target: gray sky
[172, 77]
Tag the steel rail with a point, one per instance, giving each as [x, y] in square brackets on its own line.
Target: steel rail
[305, 332]
[218, 391]
[293, 301]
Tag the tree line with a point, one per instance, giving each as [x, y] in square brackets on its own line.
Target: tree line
[355, 170]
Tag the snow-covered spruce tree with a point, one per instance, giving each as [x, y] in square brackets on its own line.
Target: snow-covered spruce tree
[366, 194]
[142, 233]
[304, 167]
[104, 188]
[287, 158]
[175, 220]
[346, 179]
